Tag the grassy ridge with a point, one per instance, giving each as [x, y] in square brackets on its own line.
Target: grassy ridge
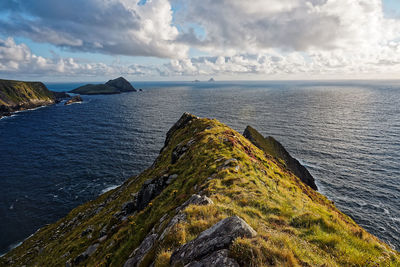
[95, 89]
[296, 225]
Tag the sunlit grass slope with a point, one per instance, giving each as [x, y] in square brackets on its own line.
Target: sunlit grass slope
[295, 225]
[17, 92]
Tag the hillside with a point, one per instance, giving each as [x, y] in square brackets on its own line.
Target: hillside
[211, 198]
[19, 95]
[95, 89]
[116, 86]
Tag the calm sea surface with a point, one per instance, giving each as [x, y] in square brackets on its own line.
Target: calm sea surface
[347, 134]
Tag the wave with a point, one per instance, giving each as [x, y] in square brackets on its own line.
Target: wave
[109, 188]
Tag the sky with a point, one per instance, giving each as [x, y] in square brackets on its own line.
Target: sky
[95, 40]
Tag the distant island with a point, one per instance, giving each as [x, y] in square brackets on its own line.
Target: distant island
[198, 81]
[20, 95]
[116, 86]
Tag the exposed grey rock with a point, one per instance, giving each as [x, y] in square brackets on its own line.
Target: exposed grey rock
[88, 230]
[181, 123]
[171, 178]
[217, 237]
[151, 189]
[196, 200]
[176, 219]
[216, 259]
[277, 150]
[103, 238]
[193, 200]
[139, 253]
[91, 249]
[88, 252]
[128, 207]
[178, 152]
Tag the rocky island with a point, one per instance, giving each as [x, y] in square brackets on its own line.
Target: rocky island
[211, 198]
[116, 86]
[19, 95]
[75, 99]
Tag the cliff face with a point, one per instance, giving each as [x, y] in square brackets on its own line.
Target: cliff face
[272, 147]
[211, 198]
[18, 95]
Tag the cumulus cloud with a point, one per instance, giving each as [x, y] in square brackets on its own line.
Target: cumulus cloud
[288, 37]
[239, 37]
[121, 27]
[295, 25]
[18, 59]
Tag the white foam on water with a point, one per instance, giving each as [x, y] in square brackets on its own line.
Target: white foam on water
[109, 188]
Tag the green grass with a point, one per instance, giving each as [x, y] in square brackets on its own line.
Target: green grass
[296, 225]
[17, 92]
[95, 89]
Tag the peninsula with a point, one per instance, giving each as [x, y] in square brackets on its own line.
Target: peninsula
[19, 95]
[211, 198]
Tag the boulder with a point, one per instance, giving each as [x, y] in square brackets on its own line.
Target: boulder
[215, 238]
[138, 254]
[88, 252]
[216, 259]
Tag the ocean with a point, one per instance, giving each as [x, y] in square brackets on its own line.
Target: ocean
[346, 133]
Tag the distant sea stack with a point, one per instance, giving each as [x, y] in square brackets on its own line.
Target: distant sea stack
[116, 86]
[19, 95]
[211, 198]
[211, 80]
[75, 99]
[272, 147]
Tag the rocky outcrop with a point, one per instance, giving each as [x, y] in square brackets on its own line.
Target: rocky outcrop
[137, 256]
[185, 119]
[60, 96]
[87, 253]
[75, 99]
[147, 244]
[216, 259]
[19, 95]
[151, 189]
[217, 237]
[121, 84]
[272, 147]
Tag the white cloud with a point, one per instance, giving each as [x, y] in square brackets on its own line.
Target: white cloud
[107, 26]
[256, 26]
[258, 37]
[16, 59]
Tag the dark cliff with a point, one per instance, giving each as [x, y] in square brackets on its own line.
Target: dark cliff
[272, 147]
